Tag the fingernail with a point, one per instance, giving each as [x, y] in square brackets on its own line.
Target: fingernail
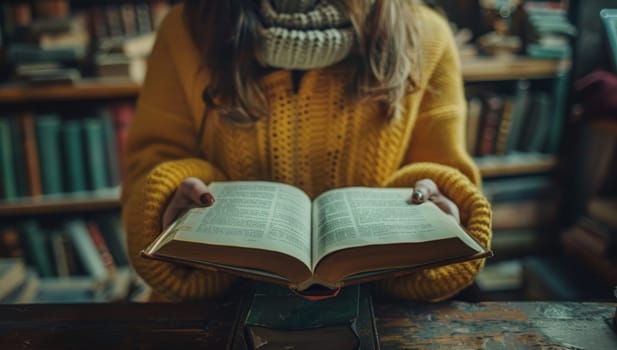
[206, 199]
[417, 197]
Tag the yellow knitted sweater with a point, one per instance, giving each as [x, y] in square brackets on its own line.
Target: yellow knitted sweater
[313, 139]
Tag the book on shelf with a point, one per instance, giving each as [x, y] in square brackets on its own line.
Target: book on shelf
[21, 171]
[279, 319]
[274, 232]
[49, 148]
[8, 184]
[12, 275]
[94, 139]
[34, 241]
[73, 156]
[519, 109]
[26, 121]
[86, 250]
[10, 243]
[26, 291]
[604, 210]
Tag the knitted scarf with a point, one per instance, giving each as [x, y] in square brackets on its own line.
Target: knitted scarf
[304, 34]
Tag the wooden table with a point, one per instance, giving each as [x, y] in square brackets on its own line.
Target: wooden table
[401, 325]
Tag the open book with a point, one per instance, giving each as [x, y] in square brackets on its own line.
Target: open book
[274, 232]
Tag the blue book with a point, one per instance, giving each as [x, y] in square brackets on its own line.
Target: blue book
[94, 137]
[74, 164]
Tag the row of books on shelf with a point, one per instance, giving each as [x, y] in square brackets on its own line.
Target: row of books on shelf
[51, 155]
[76, 260]
[46, 46]
[500, 124]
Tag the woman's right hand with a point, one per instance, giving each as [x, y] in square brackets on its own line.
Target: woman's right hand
[191, 193]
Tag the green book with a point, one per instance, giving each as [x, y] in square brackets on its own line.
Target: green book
[8, 183]
[50, 160]
[74, 165]
[19, 158]
[279, 319]
[94, 138]
[111, 151]
[37, 252]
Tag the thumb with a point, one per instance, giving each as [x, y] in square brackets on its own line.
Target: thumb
[196, 191]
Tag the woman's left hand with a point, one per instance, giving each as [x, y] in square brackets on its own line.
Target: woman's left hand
[426, 189]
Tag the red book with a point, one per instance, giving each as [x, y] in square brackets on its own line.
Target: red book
[122, 116]
[26, 122]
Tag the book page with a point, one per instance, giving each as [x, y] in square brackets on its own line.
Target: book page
[255, 214]
[357, 216]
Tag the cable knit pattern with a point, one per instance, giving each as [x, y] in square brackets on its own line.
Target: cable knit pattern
[313, 138]
[304, 35]
[172, 280]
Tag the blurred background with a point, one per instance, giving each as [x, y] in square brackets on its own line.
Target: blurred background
[541, 124]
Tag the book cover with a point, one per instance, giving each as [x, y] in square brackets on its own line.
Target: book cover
[277, 318]
[75, 165]
[50, 159]
[283, 237]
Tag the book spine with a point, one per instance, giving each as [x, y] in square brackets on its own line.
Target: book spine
[122, 116]
[111, 150]
[21, 173]
[32, 154]
[95, 153]
[519, 111]
[101, 247]
[7, 169]
[75, 167]
[85, 249]
[113, 233]
[36, 248]
[10, 243]
[50, 161]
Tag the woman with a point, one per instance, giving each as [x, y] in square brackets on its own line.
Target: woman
[316, 93]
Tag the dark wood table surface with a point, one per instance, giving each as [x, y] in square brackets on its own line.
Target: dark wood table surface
[401, 325]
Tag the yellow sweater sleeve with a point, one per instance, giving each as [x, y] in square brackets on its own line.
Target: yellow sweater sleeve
[443, 282]
[155, 162]
[437, 152]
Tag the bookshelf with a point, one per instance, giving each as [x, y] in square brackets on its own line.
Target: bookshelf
[86, 89]
[474, 70]
[479, 69]
[108, 199]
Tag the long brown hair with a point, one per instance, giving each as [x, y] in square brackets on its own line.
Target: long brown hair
[385, 62]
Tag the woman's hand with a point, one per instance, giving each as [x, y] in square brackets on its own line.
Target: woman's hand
[426, 189]
[191, 193]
